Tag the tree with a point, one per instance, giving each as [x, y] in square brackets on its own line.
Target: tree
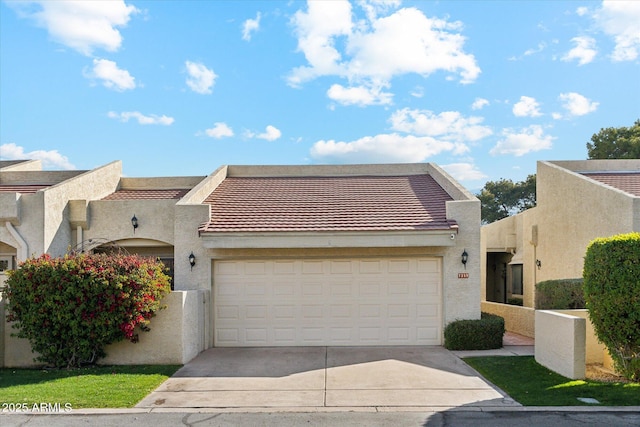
[616, 143]
[70, 308]
[502, 198]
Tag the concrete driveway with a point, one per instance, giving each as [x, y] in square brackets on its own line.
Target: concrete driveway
[311, 378]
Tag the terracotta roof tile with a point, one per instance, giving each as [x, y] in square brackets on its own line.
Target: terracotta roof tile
[355, 203]
[22, 188]
[156, 194]
[629, 182]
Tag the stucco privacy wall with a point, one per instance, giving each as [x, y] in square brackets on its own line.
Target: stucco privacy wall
[177, 335]
[595, 350]
[560, 343]
[573, 210]
[520, 320]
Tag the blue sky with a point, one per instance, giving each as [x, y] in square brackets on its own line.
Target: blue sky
[482, 88]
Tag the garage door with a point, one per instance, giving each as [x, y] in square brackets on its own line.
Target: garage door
[312, 302]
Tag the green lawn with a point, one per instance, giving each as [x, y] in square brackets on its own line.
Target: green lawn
[95, 387]
[531, 384]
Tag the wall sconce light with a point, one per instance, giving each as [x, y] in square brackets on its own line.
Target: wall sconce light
[192, 260]
[134, 223]
[539, 263]
[465, 258]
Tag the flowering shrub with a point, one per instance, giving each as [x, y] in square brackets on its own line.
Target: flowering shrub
[71, 307]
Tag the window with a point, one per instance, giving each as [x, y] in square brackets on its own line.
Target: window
[516, 279]
[6, 263]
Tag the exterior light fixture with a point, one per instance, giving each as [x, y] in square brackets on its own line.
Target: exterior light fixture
[539, 264]
[134, 223]
[465, 258]
[192, 260]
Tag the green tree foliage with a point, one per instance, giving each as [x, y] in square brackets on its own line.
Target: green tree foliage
[70, 308]
[616, 143]
[612, 294]
[502, 198]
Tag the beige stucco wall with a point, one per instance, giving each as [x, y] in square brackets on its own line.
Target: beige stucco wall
[566, 342]
[177, 335]
[595, 350]
[520, 320]
[574, 210]
[560, 343]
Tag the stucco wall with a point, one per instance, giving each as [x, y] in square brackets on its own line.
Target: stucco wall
[560, 343]
[91, 185]
[520, 320]
[572, 211]
[595, 350]
[177, 335]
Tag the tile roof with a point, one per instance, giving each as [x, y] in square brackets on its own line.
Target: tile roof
[353, 203]
[629, 182]
[155, 194]
[22, 188]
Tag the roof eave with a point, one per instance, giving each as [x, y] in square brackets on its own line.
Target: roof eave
[340, 239]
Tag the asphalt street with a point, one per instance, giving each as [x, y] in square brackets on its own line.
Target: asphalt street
[347, 419]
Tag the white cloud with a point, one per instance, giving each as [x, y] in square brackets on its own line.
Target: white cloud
[541, 46]
[201, 78]
[141, 118]
[479, 103]
[417, 92]
[271, 133]
[519, 143]
[81, 25]
[526, 107]
[448, 125]
[359, 95]
[384, 148]
[576, 104]
[369, 52]
[619, 19]
[464, 171]
[219, 130]
[112, 77]
[584, 50]
[581, 11]
[250, 26]
[50, 159]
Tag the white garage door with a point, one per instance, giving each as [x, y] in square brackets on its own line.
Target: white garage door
[394, 301]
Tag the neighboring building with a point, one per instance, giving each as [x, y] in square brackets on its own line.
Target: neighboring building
[283, 255]
[577, 201]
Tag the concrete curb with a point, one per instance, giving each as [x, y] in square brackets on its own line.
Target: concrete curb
[115, 411]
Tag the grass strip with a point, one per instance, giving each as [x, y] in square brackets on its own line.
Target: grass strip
[92, 387]
[531, 384]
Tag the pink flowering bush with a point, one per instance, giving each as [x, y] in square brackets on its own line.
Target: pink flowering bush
[70, 308]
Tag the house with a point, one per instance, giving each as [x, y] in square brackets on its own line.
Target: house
[270, 255]
[577, 201]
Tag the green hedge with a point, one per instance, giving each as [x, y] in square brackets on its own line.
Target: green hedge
[612, 292]
[483, 334]
[562, 294]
